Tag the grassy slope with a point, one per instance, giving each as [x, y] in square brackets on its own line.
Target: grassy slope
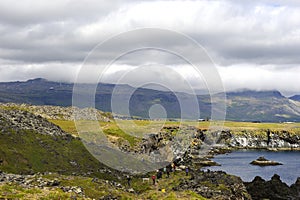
[100, 188]
[27, 151]
[134, 127]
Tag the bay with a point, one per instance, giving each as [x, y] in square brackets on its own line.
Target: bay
[238, 163]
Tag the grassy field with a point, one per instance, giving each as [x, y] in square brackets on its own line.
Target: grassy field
[131, 130]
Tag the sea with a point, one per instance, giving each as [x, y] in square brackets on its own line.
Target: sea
[238, 163]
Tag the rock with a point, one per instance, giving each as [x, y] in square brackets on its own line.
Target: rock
[22, 120]
[109, 197]
[72, 189]
[215, 185]
[296, 187]
[59, 112]
[205, 162]
[78, 191]
[54, 182]
[273, 189]
[131, 190]
[182, 167]
[261, 161]
[274, 140]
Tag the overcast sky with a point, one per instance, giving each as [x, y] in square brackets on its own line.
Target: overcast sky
[254, 44]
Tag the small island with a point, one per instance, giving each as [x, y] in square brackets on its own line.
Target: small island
[261, 161]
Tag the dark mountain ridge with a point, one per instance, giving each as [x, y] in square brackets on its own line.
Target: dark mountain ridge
[244, 105]
[295, 98]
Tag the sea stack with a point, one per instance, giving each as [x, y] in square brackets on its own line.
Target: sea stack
[261, 161]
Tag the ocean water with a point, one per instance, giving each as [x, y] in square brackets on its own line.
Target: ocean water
[238, 163]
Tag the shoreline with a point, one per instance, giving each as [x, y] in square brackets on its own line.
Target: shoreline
[222, 150]
[228, 150]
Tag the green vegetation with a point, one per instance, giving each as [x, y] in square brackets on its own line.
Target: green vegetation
[131, 130]
[26, 151]
[67, 126]
[15, 191]
[95, 189]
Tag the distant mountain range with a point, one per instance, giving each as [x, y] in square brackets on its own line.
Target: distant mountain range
[246, 105]
[295, 97]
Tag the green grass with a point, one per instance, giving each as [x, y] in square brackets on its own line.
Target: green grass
[148, 191]
[100, 188]
[27, 151]
[67, 126]
[92, 129]
[133, 130]
[15, 191]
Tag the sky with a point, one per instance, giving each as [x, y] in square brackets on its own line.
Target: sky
[253, 44]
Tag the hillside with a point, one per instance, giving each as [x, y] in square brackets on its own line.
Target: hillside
[268, 106]
[246, 105]
[30, 144]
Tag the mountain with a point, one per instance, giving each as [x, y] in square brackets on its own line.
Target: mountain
[295, 98]
[267, 106]
[244, 105]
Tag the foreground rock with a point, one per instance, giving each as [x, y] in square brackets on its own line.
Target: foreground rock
[261, 161]
[216, 185]
[273, 189]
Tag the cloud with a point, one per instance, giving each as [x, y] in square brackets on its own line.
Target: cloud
[254, 44]
[51, 71]
[245, 76]
[26, 12]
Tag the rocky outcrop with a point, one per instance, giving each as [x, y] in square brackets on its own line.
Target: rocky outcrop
[265, 139]
[171, 143]
[15, 120]
[60, 113]
[28, 181]
[216, 185]
[261, 161]
[273, 189]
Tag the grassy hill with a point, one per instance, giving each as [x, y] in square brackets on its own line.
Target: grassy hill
[32, 144]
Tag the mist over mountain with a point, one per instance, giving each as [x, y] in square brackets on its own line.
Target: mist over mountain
[242, 105]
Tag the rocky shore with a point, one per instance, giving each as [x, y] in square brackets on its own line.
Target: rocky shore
[272, 140]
